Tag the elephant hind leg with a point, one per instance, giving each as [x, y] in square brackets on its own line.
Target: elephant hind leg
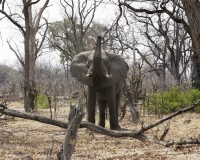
[118, 99]
[102, 107]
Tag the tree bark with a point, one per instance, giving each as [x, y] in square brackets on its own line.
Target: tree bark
[192, 10]
[27, 60]
[32, 58]
[131, 94]
[195, 71]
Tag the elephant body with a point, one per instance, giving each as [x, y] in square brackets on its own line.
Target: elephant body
[103, 73]
[105, 96]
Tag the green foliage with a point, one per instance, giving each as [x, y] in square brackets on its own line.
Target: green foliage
[71, 37]
[41, 102]
[173, 100]
[1, 100]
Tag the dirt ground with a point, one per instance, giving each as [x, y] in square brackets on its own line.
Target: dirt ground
[22, 139]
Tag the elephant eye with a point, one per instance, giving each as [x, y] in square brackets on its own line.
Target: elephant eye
[107, 63]
[88, 64]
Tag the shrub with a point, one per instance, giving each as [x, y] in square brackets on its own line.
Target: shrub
[172, 100]
[41, 102]
[190, 97]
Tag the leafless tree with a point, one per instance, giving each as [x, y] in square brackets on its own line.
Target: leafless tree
[190, 22]
[31, 45]
[168, 42]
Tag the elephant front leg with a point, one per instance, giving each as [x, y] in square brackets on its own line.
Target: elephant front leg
[114, 124]
[102, 108]
[91, 105]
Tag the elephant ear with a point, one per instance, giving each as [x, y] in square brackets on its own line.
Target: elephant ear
[78, 68]
[118, 68]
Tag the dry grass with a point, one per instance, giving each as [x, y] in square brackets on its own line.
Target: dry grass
[20, 138]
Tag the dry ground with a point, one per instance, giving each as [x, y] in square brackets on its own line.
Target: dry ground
[20, 138]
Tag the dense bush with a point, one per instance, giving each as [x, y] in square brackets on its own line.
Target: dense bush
[172, 100]
[41, 102]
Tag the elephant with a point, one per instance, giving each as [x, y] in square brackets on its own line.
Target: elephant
[103, 73]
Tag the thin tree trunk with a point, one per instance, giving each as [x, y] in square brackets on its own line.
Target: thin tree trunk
[27, 61]
[32, 61]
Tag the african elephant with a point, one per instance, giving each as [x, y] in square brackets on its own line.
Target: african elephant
[103, 73]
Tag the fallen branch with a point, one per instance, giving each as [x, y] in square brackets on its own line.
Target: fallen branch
[183, 142]
[179, 143]
[135, 134]
[35, 117]
[61, 124]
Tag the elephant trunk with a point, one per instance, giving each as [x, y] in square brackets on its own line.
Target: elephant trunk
[97, 58]
[96, 68]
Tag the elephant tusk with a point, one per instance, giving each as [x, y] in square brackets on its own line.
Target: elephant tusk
[108, 76]
[86, 76]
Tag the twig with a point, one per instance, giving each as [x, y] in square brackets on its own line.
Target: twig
[164, 133]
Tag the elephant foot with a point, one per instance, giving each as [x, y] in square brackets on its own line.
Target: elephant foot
[102, 124]
[116, 128]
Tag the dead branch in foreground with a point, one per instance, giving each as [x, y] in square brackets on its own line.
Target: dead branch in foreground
[76, 114]
[91, 126]
[135, 134]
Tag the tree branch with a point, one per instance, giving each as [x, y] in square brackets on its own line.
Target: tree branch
[18, 55]
[29, 4]
[39, 16]
[61, 124]
[14, 22]
[170, 116]
[164, 10]
[117, 134]
[43, 38]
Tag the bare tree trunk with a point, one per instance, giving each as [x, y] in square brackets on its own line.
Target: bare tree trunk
[27, 61]
[192, 10]
[195, 71]
[32, 58]
[132, 100]
[29, 84]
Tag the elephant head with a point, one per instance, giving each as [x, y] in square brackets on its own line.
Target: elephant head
[98, 63]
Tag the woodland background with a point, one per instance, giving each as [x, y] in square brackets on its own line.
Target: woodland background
[158, 39]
